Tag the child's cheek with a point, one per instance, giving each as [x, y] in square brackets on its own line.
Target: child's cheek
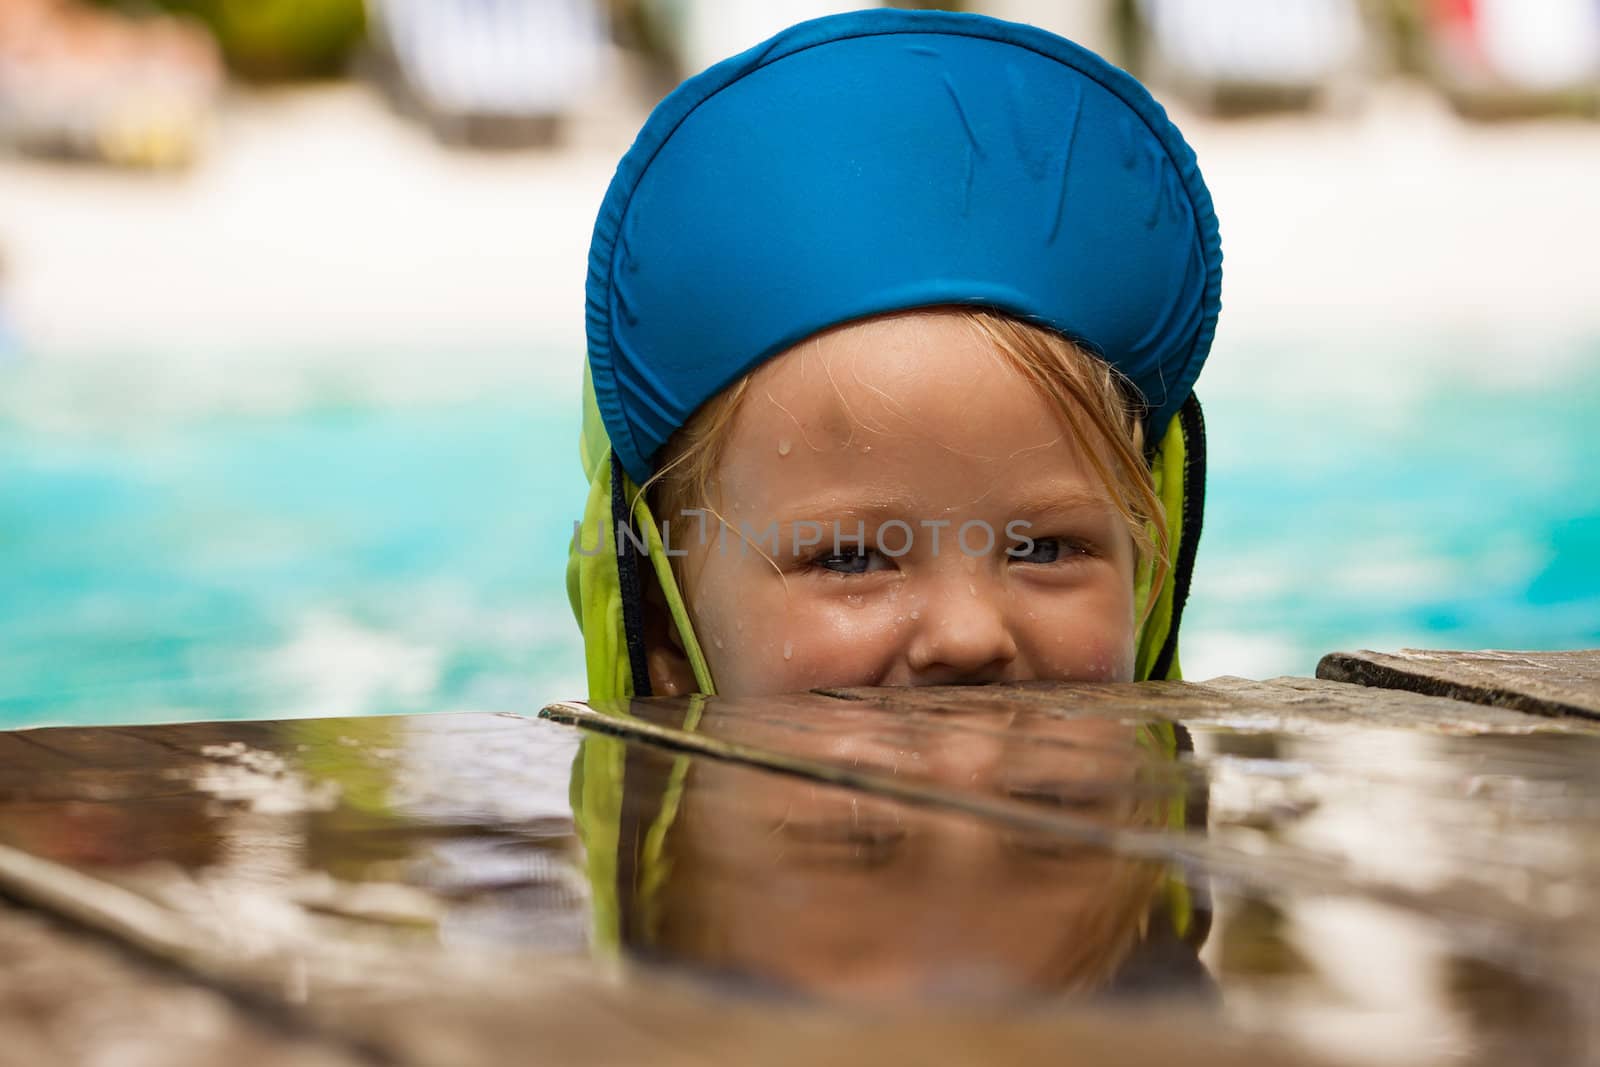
[807, 640]
[1101, 658]
[836, 643]
[758, 645]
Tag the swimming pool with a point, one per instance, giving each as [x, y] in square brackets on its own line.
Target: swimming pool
[384, 532]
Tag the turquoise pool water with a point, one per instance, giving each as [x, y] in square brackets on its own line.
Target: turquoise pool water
[294, 540]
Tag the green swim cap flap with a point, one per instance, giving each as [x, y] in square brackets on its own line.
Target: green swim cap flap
[594, 585]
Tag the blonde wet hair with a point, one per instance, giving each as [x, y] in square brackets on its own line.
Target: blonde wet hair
[1095, 402]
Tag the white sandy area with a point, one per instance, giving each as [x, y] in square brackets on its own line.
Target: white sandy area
[320, 222]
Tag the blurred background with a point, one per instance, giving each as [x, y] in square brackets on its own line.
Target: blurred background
[291, 329]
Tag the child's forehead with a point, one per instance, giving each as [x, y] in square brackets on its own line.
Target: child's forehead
[921, 411]
[881, 373]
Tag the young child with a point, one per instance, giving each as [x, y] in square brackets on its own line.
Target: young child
[893, 324]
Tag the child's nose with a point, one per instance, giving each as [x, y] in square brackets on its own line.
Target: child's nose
[962, 636]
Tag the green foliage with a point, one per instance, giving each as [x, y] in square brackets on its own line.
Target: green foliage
[279, 39]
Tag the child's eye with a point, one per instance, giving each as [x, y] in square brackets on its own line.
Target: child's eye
[1045, 550]
[852, 561]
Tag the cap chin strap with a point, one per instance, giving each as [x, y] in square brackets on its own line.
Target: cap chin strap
[628, 583]
[630, 579]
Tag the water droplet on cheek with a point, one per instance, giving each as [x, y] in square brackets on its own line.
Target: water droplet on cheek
[717, 641]
[973, 589]
[788, 650]
[783, 446]
[915, 614]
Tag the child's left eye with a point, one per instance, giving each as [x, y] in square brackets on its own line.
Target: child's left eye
[852, 561]
[1046, 550]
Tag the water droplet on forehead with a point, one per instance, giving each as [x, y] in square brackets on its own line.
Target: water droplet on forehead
[788, 650]
[784, 446]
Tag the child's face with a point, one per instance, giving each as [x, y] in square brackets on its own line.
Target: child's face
[914, 427]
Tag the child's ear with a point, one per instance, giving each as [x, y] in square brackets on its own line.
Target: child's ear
[670, 672]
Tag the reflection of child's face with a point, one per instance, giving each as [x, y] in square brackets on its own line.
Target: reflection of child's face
[912, 418]
[838, 891]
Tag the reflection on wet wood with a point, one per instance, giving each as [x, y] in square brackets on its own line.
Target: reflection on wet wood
[68, 998]
[65, 998]
[1295, 705]
[1539, 683]
[841, 737]
[411, 889]
[23, 759]
[356, 998]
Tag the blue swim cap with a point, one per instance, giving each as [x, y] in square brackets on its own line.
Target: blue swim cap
[884, 160]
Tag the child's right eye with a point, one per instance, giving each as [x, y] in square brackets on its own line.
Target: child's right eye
[851, 561]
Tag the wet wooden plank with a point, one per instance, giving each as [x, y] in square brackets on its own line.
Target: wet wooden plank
[337, 854]
[385, 1004]
[22, 757]
[1538, 683]
[462, 1010]
[854, 732]
[194, 738]
[105, 749]
[1287, 704]
[68, 998]
[131, 764]
[300, 816]
[1310, 746]
[32, 770]
[725, 733]
[583, 1019]
[814, 724]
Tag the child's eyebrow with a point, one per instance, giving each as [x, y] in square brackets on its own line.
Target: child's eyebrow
[1049, 500]
[1060, 500]
[839, 506]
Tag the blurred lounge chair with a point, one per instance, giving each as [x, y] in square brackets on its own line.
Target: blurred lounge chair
[82, 82]
[1515, 57]
[490, 73]
[702, 32]
[1227, 55]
